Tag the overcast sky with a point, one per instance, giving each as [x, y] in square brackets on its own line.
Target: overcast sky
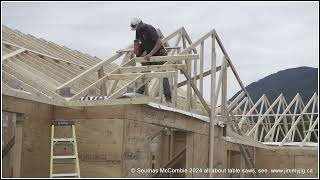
[261, 38]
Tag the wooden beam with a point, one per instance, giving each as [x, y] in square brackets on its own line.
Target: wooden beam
[17, 148]
[32, 80]
[224, 89]
[126, 58]
[261, 134]
[139, 79]
[159, 74]
[206, 73]
[190, 145]
[302, 106]
[213, 105]
[218, 87]
[274, 115]
[8, 91]
[246, 106]
[46, 55]
[103, 88]
[131, 49]
[8, 78]
[236, 100]
[7, 147]
[167, 58]
[170, 67]
[294, 117]
[311, 129]
[195, 44]
[126, 76]
[235, 110]
[277, 134]
[188, 71]
[203, 102]
[201, 75]
[122, 101]
[90, 71]
[170, 36]
[189, 91]
[175, 90]
[313, 110]
[14, 53]
[284, 106]
[195, 71]
[187, 37]
[115, 82]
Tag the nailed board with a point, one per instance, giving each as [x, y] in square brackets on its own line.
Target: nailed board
[137, 147]
[200, 155]
[8, 128]
[94, 112]
[163, 118]
[99, 147]
[36, 135]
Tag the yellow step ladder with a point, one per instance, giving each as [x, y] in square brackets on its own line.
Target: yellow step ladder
[65, 142]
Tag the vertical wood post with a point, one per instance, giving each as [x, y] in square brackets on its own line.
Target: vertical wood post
[188, 64]
[103, 89]
[224, 89]
[175, 90]
[213, 106]
[201, 67]
[189, 153]
[17, 148]
[195, 71]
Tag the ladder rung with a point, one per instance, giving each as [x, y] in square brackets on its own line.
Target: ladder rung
[63, 140]
[65, 175]
[62, 123]
[64, 157]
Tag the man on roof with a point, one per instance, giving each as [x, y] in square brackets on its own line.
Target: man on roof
[147, 44]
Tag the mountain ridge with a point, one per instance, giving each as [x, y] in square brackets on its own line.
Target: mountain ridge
[289, 82]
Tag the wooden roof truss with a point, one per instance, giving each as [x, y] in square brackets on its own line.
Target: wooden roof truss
[39, 69]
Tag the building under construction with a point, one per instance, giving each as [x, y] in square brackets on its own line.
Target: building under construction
[70, 114]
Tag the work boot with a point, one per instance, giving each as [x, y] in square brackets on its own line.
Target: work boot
[168, 99]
